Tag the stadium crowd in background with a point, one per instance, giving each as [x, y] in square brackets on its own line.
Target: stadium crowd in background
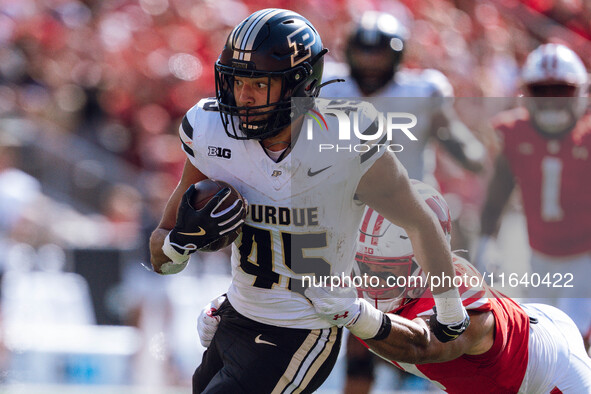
[121, 73]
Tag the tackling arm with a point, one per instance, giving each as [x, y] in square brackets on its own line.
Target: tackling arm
[386, 188]
[411, 342]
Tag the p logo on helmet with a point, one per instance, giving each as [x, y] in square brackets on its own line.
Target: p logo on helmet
[301, 41]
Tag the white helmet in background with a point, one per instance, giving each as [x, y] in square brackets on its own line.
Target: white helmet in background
[556, 80]
[384, 251]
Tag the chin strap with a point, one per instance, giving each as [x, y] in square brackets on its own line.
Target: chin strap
[313, 61]
[329, 82]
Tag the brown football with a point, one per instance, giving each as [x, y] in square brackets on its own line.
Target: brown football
[206, 189]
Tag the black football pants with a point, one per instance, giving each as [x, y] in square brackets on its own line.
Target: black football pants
[250, 357]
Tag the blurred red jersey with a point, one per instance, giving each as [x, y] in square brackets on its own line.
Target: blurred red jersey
[502, 368]
[553, 175]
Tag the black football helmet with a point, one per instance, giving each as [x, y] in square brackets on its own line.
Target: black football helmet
[376, 32]
[278, 45]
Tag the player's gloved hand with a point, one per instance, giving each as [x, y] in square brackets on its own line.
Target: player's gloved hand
[341, 307]
[208, 320]
[196, 229]
[448, 332]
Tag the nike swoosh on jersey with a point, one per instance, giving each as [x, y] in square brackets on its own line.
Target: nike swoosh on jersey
[312, 173]
[261, 341]
[200, 232]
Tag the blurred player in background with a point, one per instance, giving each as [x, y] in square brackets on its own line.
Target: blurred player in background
[509, 348]
[269, 338]
[374, 52]
[546, 150]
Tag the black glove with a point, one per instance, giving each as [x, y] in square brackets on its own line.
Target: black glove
[447, 332]
[196, 229]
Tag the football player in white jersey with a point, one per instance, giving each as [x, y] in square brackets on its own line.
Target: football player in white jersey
[508, 348]
[374, 52]
[304, 210]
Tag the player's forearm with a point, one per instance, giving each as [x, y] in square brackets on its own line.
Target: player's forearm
[387, 189]
[407, 342]
[433, 254]
[157, 256]
[410, 341]
[158, 236]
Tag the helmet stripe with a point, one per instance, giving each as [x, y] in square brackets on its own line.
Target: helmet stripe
[237, 34]
[376, 229]
[248, 29]
[549, 60]
[249, 40]
[244, 28]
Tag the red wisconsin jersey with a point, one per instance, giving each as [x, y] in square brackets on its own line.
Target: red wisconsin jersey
[553, 175]
[499, 370]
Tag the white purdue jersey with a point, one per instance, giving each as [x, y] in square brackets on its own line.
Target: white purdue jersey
[427, 83]
[302, 216]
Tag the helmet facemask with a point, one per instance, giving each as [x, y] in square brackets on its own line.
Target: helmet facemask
[370, 79]
[386, 281]
[554, 108]
[261, 121]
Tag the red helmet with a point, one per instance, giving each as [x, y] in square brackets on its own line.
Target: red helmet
[556, 84]
[385, 252]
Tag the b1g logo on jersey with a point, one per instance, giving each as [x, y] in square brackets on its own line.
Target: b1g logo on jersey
[301, 41]
[217, 151]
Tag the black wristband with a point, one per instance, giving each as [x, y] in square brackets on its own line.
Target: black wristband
[385, 328]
